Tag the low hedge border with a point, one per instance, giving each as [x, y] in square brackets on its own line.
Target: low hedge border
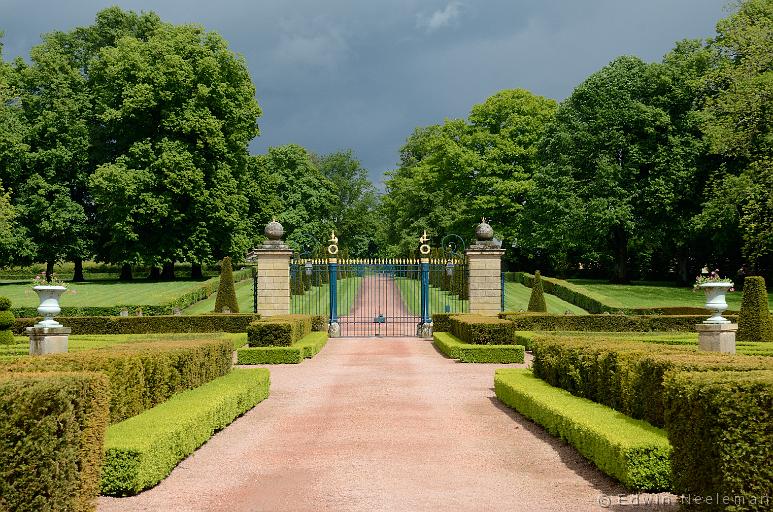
[201, 292]
[143, 450]
[305, 348]
[605, 323]
[454, 348]
[53, 427]
[278, 331]
[148, 324]
[571, 293]
[629, 450]
[482, 330]
[141, 375]
[626, 375]
[721, 427]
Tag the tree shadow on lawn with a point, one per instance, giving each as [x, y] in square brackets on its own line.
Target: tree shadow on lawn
[617, 497]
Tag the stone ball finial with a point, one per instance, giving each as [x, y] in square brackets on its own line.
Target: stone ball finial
[274, 230]
[484, 232]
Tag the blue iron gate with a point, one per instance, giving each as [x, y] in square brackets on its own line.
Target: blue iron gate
[379, 297]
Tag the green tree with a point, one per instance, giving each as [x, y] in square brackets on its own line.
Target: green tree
[174, 112]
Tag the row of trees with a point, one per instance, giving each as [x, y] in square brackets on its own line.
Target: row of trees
[126, 141]
[645, 168]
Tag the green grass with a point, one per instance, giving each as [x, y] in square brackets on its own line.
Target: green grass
[86, 342]
[517, 299]
[455, 348]
[105, 293]
[630, 450]
[143, 450]
[410, 291]
[654, 294]
[244, 297]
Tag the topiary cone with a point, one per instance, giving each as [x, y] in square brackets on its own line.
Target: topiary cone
[537, 299]
[754, 322]
[226, 295]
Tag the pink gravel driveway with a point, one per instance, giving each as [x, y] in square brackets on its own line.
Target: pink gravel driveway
[381, 424]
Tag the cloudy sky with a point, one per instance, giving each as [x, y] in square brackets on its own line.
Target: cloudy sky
[362, 74]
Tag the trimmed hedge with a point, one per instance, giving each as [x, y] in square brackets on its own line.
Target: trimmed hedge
[721, 427]
[604, 323]
[632, 451]
[754, 321]
[307, 347]
[468, 353]
[201, 292]
[441, 322]
[143, 450]
[226, 295]
[278, 331]
[537, 297]
[53, 427]
[6, 322]
[141, 375]
[627, 376]
[482, 330]
[319, 323]
[148, 324]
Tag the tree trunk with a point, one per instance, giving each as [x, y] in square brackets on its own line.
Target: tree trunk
[77, 276]
[126, 272]
[49, 270]
[196, 271]
[154, 274]
[620, 242]
[167, 274]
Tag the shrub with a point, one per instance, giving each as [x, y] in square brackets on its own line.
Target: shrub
[312, 343]
[754, 322]
[632, 451]
[142, 450]
[468, 353]
[626, 376]
[7, 321]
[441, 322]
[141, 375]
[149, 324]
[280, 331]
[482, 330]
[270, 355]
[319, 323]
[721, 427]
[53, 426]
[603, 323]
[537, 298]
[226, 295]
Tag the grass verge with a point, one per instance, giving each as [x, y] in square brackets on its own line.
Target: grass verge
[143, 450]
[632, 451]
[454, 348]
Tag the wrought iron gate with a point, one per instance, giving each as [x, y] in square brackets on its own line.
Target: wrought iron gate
[379, 297]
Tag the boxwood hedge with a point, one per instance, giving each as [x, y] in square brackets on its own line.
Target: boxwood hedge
[482, 330]
[307, 347]
[604, 323]
[632, 451]
[454, 348]
[278, 331]
[148, 324]
[53, 426]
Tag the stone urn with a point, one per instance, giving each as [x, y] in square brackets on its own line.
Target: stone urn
[49, 304]
[715, 301]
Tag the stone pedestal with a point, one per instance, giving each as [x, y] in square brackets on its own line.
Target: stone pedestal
[717, 337]
[485, 280]
[424, 331]
[48, 340]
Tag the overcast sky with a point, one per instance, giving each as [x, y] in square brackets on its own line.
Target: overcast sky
[362, 74]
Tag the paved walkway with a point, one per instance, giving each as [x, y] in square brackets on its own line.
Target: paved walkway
[379, 424]
[379, 295]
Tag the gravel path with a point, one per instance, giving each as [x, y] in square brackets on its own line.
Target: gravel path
[379, 295]
[380, 424]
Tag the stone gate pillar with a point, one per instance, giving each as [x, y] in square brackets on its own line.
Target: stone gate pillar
[274, 273]
[484, 260]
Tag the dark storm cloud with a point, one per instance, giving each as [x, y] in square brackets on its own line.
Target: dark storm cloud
[364, 74]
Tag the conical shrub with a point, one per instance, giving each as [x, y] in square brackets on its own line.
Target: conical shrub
[6, 322]
[754, 322]
[226, 295]
[537, 299]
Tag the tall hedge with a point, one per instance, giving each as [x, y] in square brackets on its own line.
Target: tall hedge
[754, 322]
[7, 320]
[537, 299]
[226, 295]
[53, 428]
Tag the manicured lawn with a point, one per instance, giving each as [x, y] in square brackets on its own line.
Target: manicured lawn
[104, 293]
[410, 290]
[244, 297]
[517, 299]
[91, 341]
[654, 294]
